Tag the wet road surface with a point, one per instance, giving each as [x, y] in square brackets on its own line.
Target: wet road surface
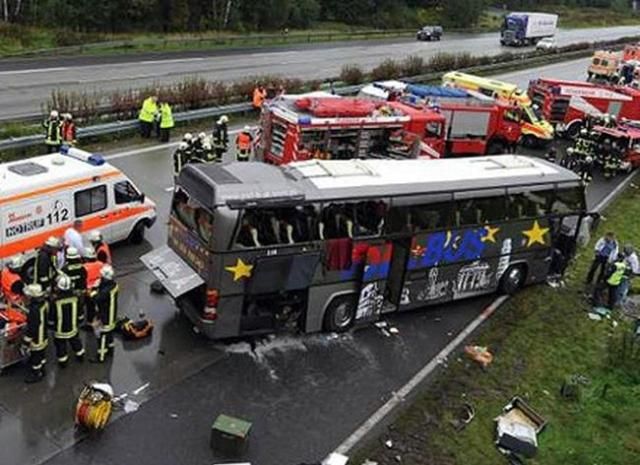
[26, 84]
[304, 394]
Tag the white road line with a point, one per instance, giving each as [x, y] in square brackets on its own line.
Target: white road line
[614, 193]
[30, 71]
[153, 148]
[162, 62]
[399, 396]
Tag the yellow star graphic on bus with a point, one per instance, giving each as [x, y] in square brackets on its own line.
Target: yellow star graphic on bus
[535, 235]
[490, 234]
[240, 270]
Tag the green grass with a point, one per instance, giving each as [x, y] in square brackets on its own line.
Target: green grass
[538, 338]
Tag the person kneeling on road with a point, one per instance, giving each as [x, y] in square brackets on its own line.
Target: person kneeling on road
[243, 144]
[36, 334]
[105, 298]
[66, 316]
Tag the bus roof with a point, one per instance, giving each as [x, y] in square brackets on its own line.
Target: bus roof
[480, 81]
[46, 171]
[240, 185]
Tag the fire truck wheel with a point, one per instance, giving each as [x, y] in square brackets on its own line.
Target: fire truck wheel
[340, 314]
[137, 233]
[513, 279]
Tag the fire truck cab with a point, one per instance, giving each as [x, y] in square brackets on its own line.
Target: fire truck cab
[567, 103]
[627, 137]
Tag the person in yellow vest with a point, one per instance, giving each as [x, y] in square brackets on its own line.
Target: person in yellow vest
[166, 122]
[36, 333]
[12, 282]
[618, 270]
[244, 140]
[147, 115]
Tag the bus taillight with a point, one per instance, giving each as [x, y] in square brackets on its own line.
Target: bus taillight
[210, 311]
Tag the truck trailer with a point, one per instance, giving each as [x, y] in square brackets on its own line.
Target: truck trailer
[521, 29]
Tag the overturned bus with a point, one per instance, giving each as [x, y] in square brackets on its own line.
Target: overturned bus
[326, 245]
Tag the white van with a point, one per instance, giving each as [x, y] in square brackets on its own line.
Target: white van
[42, 196]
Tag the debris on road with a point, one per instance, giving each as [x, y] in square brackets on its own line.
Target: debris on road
[464, 416]
[517, 428]
[479, 354]
[335, 459]
[388, 443]
[140, 389]
[230, 435]
[131, 406]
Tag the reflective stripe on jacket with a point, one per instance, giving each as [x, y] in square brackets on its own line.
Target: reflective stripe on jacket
[166, 116]
[148, 111]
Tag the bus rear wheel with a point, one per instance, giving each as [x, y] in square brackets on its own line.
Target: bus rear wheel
[340, 314]
[513, 279]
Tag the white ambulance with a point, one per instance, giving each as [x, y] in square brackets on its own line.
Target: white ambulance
[42, 196]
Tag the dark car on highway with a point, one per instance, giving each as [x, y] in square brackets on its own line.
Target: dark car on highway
[429, 33]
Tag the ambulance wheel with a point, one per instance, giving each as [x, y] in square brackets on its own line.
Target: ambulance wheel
[513, 279]
[340, 314]
[137, 233]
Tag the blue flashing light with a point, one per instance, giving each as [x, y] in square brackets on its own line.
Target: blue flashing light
[304, 120]
[96, 159]
[64, 149]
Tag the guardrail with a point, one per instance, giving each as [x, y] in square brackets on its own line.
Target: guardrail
[212, 112]
[218, 41]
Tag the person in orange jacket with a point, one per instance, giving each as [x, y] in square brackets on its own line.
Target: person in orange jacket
[259, 96]
[244, 140]
[102, 249]
[68, 130]
[92, 266]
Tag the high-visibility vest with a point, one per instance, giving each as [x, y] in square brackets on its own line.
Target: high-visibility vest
[104, 250]
[66, 314]
[93, 272]
[106, 299]
[258, 97]
[7, 279]
[37, 330]
[616, 277]
[68, 131]
[148, 111]
[243, 142]
[166, 117]
[53, 132]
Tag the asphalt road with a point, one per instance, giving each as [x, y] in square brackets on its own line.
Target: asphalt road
[304, 394]
[26, 84]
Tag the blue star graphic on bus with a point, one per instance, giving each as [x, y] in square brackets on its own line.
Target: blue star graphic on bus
[447, 247]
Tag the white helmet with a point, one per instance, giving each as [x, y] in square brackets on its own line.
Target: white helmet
[95, 236]
[183, 146]
[247, 128]
[64, 283]
[202, 136]
[206, 145]
[187, 137]
[67, 116]
[52, 242]
[33, 290]
[16, 263]
[72, 253]
[588, 159]
[89, 253]
[53, 114]
[223, 119]
[107, 272]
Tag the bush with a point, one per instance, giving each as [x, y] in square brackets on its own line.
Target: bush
[465, 60]
[413, 65]
[388, 69]
[442, 62]
[351, 75]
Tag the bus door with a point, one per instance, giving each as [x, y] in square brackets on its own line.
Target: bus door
[372, 260]
[401, 250]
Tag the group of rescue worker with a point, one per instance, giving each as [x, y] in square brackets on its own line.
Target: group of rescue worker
[59, 130]
[211, 149]
[158, 115]
[591, 148]
[65, 289]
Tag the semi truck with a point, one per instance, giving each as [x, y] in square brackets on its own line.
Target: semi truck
[300, 127]
[521, 28]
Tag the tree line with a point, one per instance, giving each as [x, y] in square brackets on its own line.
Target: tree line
[256, 15]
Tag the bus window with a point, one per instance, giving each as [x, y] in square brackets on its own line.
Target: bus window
[480, 210]
[277, 226]
[370, 216]
[204, 221]
[336, 221]
[185, 212]
[568, 200]
[530, 204]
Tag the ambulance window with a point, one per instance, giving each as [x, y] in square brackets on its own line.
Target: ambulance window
[91, 200]
[125, 192]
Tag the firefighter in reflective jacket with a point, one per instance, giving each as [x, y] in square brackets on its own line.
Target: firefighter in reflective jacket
[11, 281]
[36, 334]
[92, 267]
[243, 144]
[66, 315]
[74, 269]
[103, 252]
[221, 137]
[45, 266]
[53, 136]
[105, 298]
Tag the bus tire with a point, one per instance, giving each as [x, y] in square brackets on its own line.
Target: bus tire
[340, 314]
[513, 279]
[496, 147]
[137, 233]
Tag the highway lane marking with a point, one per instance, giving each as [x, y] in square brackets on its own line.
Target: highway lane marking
[614, 193]
[162, 62]
[399, 397]
[29, 71]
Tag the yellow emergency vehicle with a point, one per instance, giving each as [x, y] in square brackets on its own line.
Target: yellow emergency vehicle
[535, 130]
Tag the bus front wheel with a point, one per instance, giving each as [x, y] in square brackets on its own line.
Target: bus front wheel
[340, 314]
[513, 279]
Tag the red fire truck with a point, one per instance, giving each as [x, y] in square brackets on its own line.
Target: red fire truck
[627, 137]
[323, 126]
[567, 103]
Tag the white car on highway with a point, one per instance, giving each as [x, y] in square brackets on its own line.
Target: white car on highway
[548, 44]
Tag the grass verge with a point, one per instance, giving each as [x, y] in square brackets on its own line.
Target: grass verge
[538, 338]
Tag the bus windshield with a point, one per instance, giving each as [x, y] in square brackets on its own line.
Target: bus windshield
[193, 216]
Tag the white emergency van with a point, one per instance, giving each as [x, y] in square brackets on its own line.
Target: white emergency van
[42, 196]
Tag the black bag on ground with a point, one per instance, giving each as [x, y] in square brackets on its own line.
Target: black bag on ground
[133, 330]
